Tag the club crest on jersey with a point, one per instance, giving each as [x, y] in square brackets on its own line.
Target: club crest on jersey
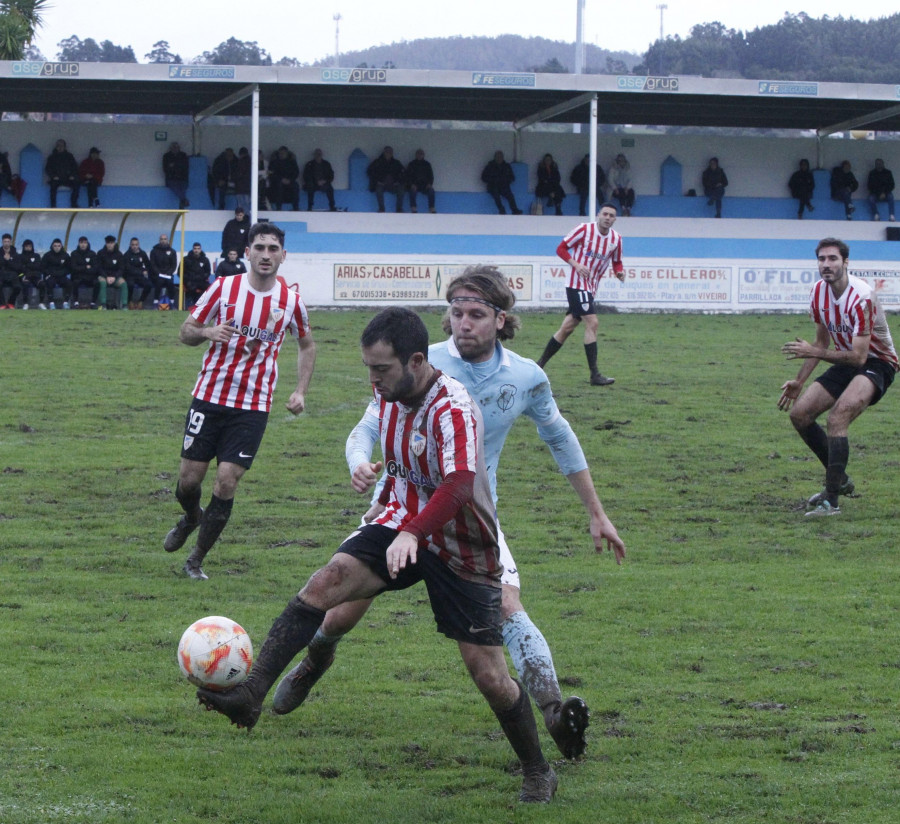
[188, 440]
[507, 396]
[417, 443]
[274, 316]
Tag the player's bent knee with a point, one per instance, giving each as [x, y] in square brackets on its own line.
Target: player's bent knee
[510, 602]
[341, 580]
[341, 619]
[495, 685]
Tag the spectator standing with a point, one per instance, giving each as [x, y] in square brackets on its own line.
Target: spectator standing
[57, 271]
[196, 271]
[580, 179]
[234, 235]
[802, 184]
[881, 189]
[243, 177]
[420, 178]
[175, 171]
[386, 175]
[32, 274]
[317, 177]
[91, 172]
[714, 183]
[163, 265]
[262, 182]
[498, 175]
[62, 170]
[224, 169]
[10, 282]
[549, 183]
[112, 280]
[620, 185]
[283, 175]
[136, 265]
[85, 274]
[232, 265]
[5, 175]
[843, 185]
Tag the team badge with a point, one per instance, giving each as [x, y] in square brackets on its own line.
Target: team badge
[417, 443]
[188, 440]
[507, 396]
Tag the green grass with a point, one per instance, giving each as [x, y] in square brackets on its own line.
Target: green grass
[742, 666]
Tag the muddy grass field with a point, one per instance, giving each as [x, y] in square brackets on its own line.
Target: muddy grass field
[741, 666]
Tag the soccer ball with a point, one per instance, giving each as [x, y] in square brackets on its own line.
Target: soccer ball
[215, 653]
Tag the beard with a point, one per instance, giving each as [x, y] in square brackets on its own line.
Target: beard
[403, 389]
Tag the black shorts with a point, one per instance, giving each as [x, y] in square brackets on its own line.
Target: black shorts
[581, 302]
[837, 378]
[463, 610]
[221, 432]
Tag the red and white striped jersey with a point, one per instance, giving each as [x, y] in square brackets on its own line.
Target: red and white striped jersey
[421, 446]
[856, 312]
[587, 246]
[243, 372]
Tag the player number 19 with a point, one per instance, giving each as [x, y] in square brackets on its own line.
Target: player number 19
[196, 422]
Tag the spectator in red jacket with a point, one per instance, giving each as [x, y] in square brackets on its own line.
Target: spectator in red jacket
[91, 172]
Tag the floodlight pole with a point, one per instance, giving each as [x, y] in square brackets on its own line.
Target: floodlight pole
[337, 35]
[662, 8]
[579, 38]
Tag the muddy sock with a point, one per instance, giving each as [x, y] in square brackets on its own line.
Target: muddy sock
[212, 522]
[215, 516]
[836, 471]
[816, 439]
[553, 346]
[533, 661]
[190, 503]
[290, 633]
[590, 352]
[322, 647]
[521, 730]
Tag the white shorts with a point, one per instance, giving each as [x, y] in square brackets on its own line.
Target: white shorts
[510, 572]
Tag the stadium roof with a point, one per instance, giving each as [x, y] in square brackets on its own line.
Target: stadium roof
[516, 99]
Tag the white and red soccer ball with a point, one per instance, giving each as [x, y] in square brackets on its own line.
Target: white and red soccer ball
[215, 653]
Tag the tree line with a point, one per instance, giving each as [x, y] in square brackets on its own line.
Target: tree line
[797, 47]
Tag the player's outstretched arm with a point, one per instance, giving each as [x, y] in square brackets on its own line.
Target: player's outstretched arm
[811, 354]
[603, 532]
[790, 391]
[306, 364]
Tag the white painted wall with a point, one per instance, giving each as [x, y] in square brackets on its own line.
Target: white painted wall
[756, 166]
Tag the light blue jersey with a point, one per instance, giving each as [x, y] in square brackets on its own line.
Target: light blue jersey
[504, 387]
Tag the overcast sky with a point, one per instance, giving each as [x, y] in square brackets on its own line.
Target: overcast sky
[306, 30]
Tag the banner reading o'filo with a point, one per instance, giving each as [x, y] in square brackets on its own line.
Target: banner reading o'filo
[414, 282]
